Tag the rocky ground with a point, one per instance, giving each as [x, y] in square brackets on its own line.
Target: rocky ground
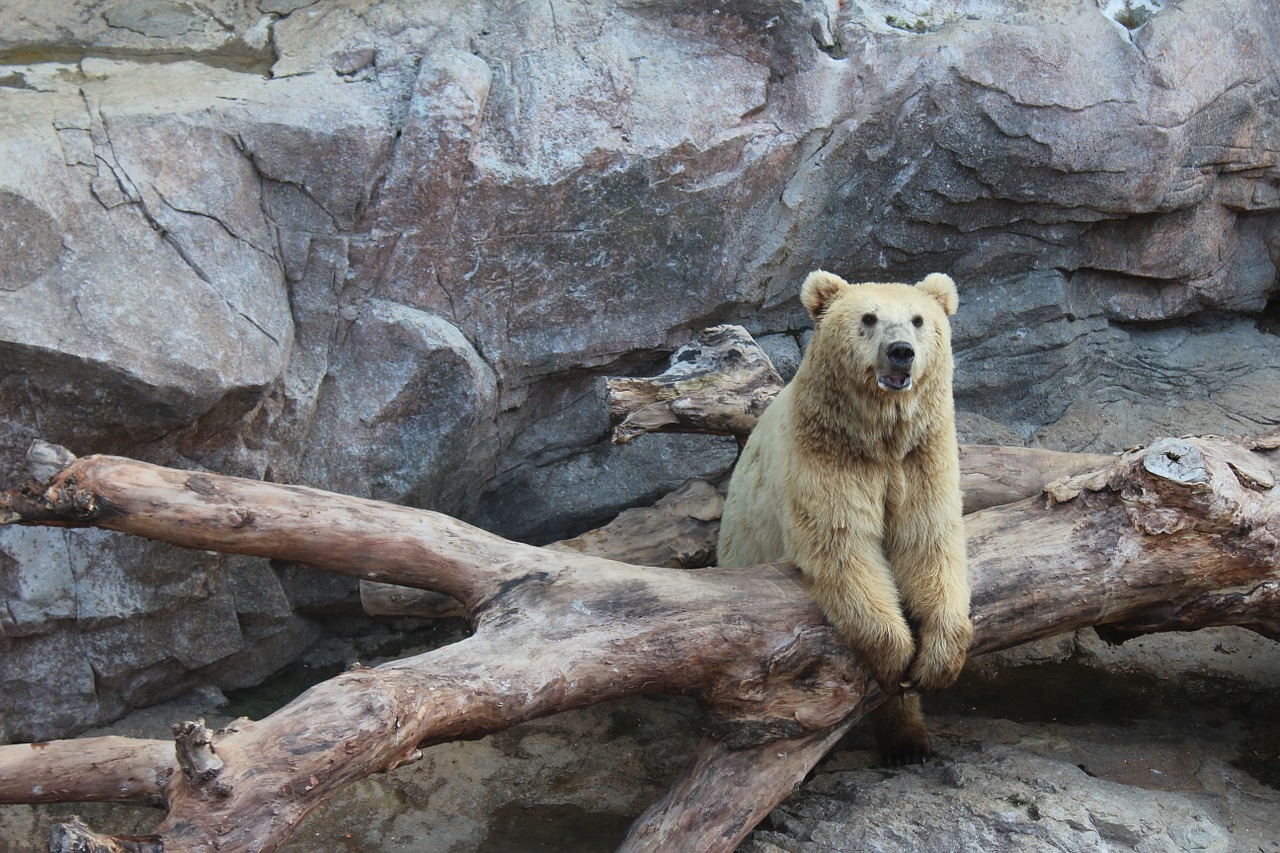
[1166, 743]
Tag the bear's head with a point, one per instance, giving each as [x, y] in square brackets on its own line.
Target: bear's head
[893, 335]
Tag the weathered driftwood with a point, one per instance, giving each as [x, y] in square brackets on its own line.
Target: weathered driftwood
[678, 532]
[719, 383]
[1180, 535]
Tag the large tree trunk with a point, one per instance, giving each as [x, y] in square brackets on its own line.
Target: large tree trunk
[1180, 535]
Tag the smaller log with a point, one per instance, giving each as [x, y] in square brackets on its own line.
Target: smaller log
[722, 795]
[678, 532]
[719, 383]
[98, 769]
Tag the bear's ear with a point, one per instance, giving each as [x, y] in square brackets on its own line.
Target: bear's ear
[942, 288]
[819, 290]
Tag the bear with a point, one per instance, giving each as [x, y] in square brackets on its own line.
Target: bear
[852, 473]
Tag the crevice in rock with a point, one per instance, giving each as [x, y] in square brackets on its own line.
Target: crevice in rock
[224, 58]
[1269, 319]
[221, 224]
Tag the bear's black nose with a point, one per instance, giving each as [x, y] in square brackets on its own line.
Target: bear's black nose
[900, 354]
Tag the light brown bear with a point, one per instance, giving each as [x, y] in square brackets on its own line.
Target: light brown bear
[853, 474]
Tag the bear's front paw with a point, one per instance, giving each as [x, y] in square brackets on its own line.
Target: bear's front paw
[889, 662]
[942, 655]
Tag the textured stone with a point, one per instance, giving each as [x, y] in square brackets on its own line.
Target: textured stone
[408, 406]
[994, 799]
[94, 624]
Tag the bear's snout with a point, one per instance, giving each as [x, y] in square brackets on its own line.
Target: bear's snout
[900, 354]
[896, 358]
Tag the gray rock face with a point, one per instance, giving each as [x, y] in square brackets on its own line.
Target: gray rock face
[995, 799]
[390, 250]
[93, 625]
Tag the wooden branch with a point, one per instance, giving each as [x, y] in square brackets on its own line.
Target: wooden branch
[719, 383]
[207, 512]
[102, 769]
[197, 758]
[706, 804]
[677, 532]
[1180, 535]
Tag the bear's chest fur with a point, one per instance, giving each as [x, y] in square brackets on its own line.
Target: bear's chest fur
[842, 419]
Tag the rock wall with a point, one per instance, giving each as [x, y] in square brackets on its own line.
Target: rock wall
[388, 248]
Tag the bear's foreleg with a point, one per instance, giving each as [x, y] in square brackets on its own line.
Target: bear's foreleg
[926, 547]
[836, 542]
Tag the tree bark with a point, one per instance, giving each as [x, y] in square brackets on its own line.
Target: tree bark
[1183, 534]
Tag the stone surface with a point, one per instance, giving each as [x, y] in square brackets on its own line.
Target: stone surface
[93, 625]
[391, 248]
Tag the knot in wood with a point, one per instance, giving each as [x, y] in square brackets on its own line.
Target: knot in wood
[197, 758]
[1177, 461]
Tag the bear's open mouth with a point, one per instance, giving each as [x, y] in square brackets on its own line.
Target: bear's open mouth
[894, 381]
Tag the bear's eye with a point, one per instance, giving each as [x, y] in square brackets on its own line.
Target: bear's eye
[917, 321]
[868, 319]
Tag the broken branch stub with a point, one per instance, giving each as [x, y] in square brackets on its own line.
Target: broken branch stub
[197, 758]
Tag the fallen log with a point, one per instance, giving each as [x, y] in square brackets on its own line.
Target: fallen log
[1180, 535]
[719, 383]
